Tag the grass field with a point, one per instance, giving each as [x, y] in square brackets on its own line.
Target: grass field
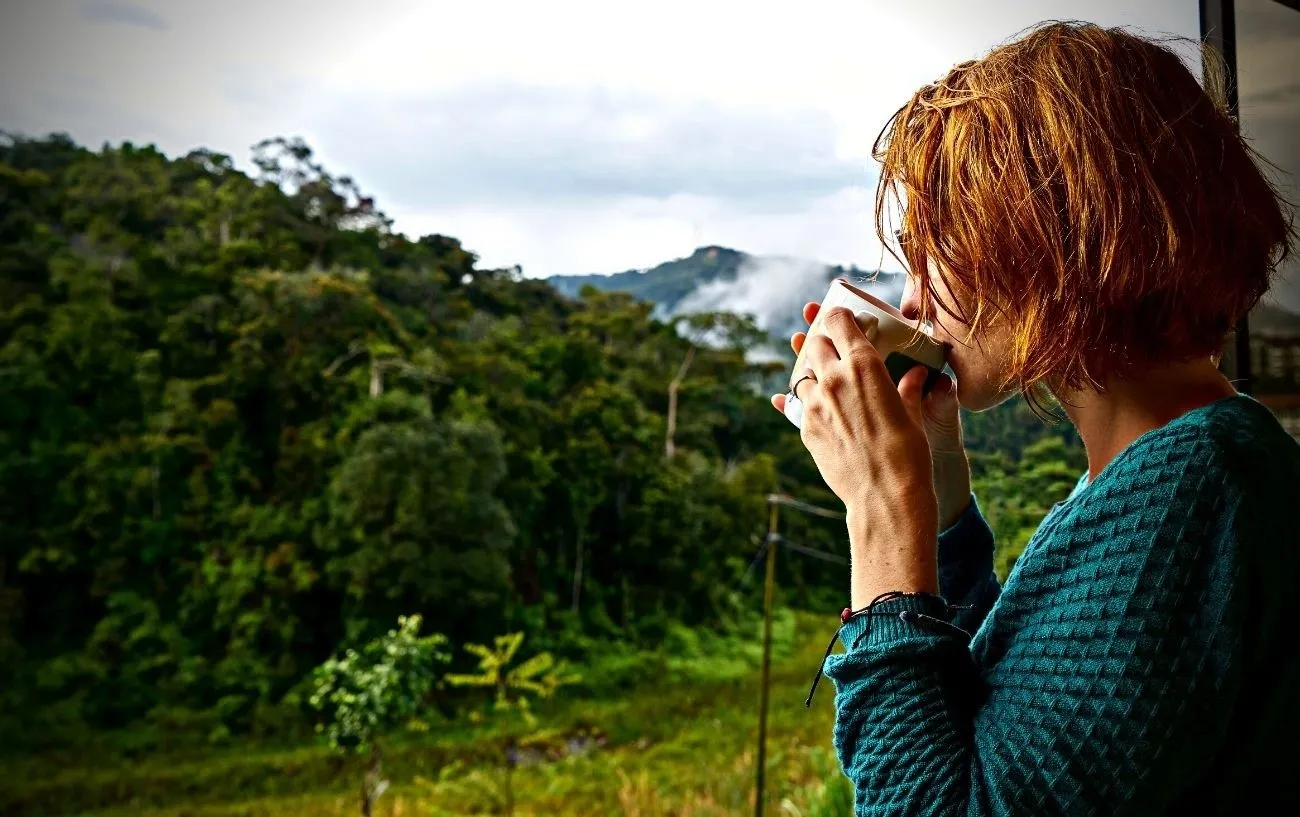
[681, 742]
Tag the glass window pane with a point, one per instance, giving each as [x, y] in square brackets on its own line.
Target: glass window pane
[1268, 64]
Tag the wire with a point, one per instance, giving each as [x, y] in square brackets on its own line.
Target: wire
[791, 502]
[766, 542]
[758, 557]
[807, 551]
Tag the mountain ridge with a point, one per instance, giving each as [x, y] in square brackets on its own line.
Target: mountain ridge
[771, 288]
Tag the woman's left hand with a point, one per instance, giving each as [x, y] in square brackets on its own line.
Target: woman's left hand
[868, 440]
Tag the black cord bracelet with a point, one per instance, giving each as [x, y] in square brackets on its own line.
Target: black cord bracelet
[921, 620]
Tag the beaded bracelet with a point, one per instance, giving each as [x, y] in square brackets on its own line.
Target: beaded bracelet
[934, 625]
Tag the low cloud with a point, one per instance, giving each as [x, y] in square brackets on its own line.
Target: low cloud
[774, 289]
[770, 289]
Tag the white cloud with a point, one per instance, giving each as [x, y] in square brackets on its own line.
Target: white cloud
[566, 136]
[764, 287]
[510, 144]
[632, 233]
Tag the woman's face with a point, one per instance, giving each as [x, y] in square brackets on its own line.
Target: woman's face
[979, 365]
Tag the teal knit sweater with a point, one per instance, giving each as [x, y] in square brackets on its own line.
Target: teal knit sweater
[1141, 659]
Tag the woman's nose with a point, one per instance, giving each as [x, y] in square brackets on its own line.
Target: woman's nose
[911, 303]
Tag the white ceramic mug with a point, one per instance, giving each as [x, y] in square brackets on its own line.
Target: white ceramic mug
[899, 341]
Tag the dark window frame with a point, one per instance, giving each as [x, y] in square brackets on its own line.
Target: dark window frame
[1219, 30]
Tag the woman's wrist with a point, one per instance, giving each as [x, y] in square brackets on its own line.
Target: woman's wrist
[891, 551]
[952, 486]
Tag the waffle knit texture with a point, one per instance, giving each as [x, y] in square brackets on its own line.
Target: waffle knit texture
[1142, 658]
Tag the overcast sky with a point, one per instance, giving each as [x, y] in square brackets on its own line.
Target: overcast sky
[566, 137]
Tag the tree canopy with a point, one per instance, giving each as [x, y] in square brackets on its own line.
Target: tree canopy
[246, 424]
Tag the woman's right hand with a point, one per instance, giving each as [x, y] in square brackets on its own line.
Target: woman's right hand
[943, 431]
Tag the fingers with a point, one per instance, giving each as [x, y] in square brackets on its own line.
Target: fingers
[941, 406]
[842, 328]
[820, 353]
[810, 311]
[792, 409]
[943, 418]
[910, 389]
[870, 326]
[942, 399]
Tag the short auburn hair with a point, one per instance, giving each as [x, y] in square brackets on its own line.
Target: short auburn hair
[1081, 184]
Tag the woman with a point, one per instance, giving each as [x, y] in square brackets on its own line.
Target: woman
[1082, 223]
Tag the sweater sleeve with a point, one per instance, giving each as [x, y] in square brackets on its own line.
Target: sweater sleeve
[966, 575]
[1102, 683]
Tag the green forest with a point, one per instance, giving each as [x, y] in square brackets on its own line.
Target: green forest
[245, 426]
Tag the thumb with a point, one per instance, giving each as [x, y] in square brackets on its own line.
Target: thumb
[910, 388]
[943, 417]
[870, 325]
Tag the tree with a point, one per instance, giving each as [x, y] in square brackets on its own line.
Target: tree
[413, 520]
[323, 206]
[721, 330]
[511, 688]
[368, 693]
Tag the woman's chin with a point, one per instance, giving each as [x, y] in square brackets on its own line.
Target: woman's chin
[979, 397]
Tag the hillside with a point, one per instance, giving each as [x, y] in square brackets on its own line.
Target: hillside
[249, 427]
[771, 288]
[667, 284]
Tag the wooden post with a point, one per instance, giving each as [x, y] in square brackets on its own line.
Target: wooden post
[769, 592]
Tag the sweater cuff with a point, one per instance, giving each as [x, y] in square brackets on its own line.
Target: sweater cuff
[965, 553]
[884, 626]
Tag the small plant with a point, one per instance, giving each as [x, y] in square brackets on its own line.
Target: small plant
[538, 677]
[366, 694]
